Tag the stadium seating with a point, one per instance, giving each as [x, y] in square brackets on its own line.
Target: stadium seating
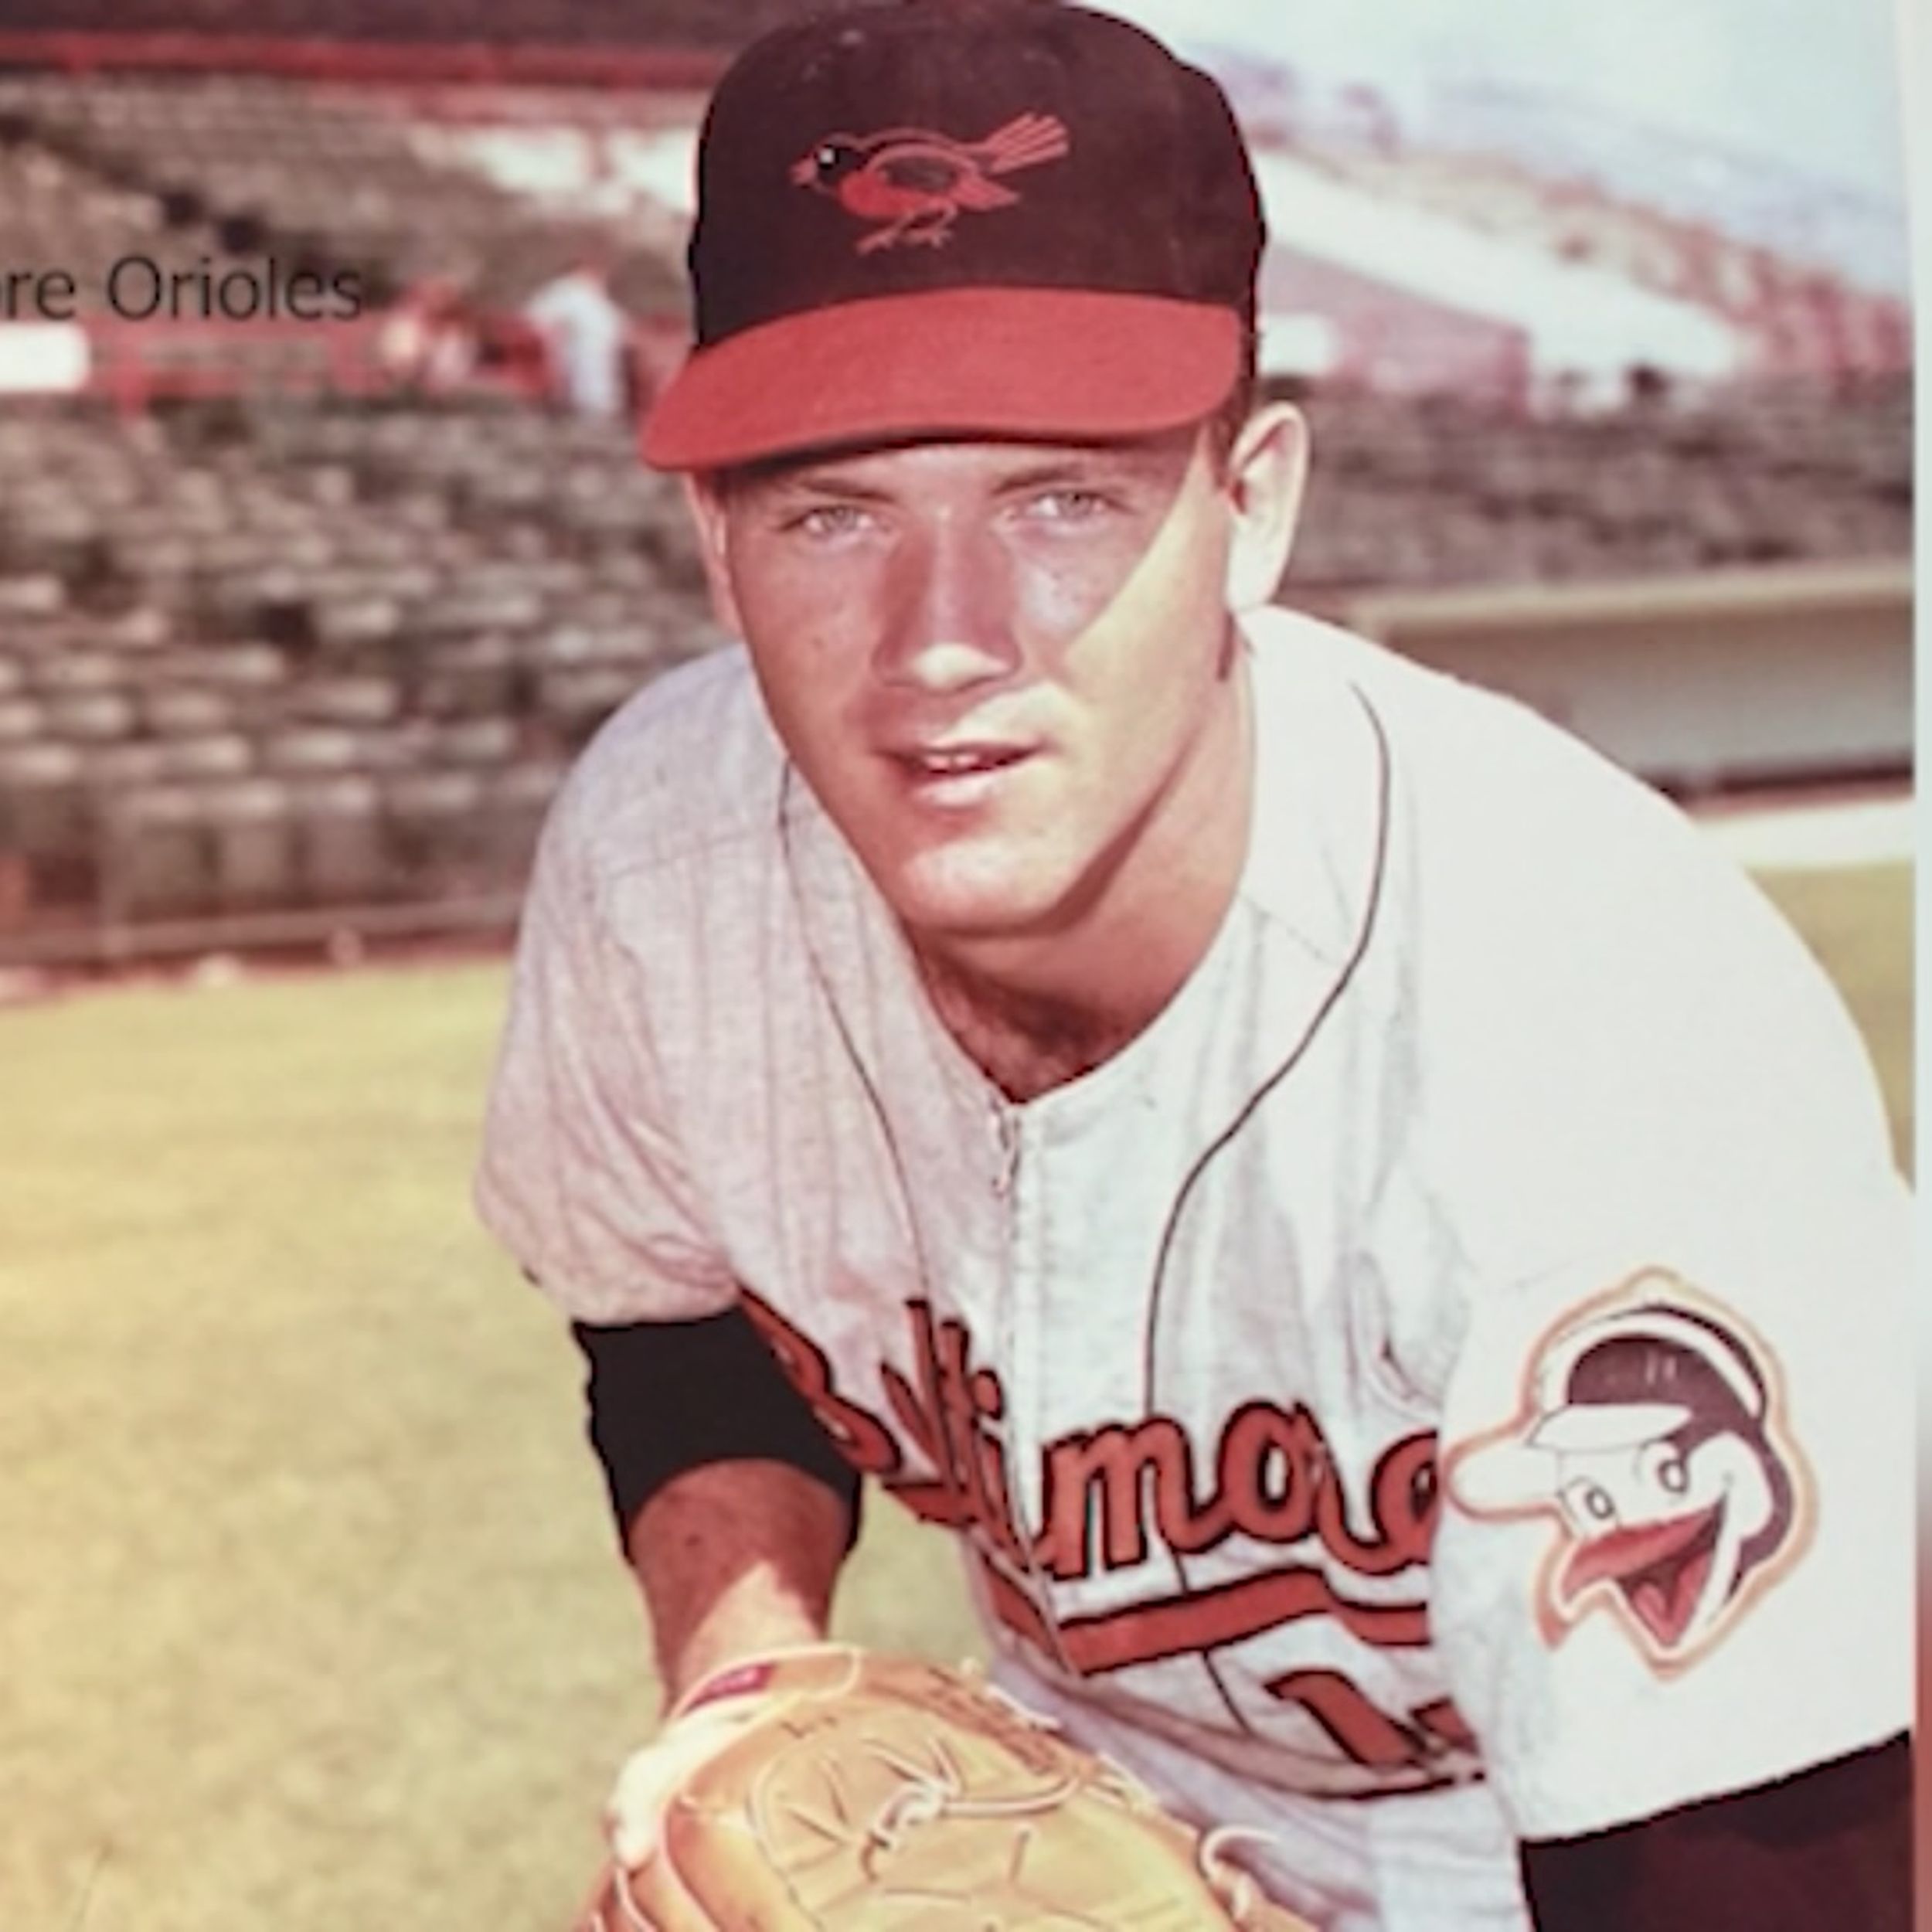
[302, 639]
[1441, 493]
[282, 654]
[55, 215]
[242, 168]
[285, 655]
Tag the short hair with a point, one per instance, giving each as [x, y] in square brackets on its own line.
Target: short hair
[1231, 414]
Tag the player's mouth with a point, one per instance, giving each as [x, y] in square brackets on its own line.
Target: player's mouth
[955, 776]
[1660, 1569]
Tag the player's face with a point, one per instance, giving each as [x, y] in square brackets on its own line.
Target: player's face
[1003, 667]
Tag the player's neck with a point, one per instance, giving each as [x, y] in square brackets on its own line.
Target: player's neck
[1037, 1012]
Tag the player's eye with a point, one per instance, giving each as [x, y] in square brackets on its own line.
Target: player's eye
[1067, 506]
[824, 522]
[1668, 1470]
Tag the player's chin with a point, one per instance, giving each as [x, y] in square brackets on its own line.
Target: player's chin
[974, 888]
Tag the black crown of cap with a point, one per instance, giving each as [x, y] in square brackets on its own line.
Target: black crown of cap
[1150, 193]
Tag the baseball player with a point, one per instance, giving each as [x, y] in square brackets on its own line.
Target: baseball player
[1383, 1249]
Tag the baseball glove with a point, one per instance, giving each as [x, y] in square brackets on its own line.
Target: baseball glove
[835, 1790]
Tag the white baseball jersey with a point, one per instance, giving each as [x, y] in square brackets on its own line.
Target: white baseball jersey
[1461, 1339]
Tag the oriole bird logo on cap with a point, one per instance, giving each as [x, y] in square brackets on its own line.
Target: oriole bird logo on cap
[915, 182]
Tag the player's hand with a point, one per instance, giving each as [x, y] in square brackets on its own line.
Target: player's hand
[702, 1723]
[831, 1785]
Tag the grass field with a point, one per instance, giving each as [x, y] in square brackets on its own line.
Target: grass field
[310, 1615]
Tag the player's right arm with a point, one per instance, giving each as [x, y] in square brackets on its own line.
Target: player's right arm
[735, 1513]
[731, 1506]
[735, 1510]
[736, 1560]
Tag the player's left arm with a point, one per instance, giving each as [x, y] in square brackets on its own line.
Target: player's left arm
[1829, 1846]
[1673, 1571]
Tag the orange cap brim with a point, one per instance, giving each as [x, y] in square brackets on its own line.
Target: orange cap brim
[1043, 362]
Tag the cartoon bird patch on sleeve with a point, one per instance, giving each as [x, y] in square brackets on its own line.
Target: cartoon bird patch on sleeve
[1651, 1430]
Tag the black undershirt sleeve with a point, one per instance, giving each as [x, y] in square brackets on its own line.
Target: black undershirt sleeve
[1831, 1847]
[665, 1396]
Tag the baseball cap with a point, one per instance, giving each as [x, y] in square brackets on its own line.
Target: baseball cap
[1008, 217]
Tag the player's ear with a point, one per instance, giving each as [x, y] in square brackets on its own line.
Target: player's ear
[704, 497]
[1265, 471]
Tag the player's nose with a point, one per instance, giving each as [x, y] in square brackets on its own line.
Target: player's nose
[947, 620]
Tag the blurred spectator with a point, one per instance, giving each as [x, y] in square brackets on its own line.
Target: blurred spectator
[428, 342]
[586, 336]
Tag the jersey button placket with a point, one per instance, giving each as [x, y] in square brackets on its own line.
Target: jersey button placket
[1016, 1188]
[1023, 1188]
